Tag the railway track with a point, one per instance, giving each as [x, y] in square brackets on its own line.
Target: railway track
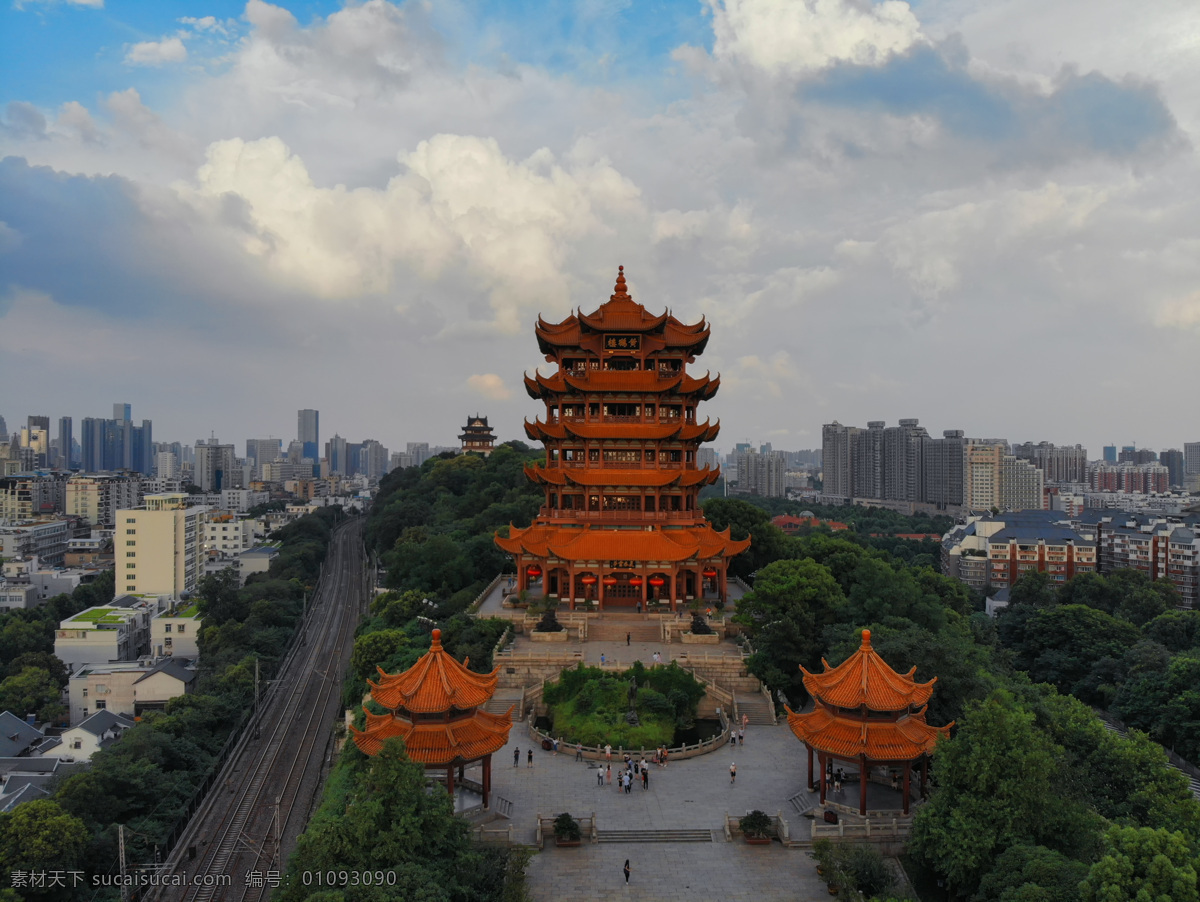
[261, 803]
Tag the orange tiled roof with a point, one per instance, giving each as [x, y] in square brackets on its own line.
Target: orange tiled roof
[695, 543]
[704, 432]
[620, 381]
[621, 314]
[901, 740]
[434, 684]
[864, 678]
[649, 478]
[437, 743]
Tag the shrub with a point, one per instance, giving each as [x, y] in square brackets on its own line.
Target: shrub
[567, 828]
[756, 824]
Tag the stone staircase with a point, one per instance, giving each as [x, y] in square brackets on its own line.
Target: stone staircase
[641, 836]
[502, 700]
[616, 630]
[756, 708]
[502, 806]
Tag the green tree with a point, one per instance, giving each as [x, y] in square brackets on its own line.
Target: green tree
[996, 788]
[43, 660]
[1143, 865]
[791, 603]
[41, 836]
[219, 598]
[32, 691]
[767, 542]
[373, 649]
[1027, 873]
[1176, 630]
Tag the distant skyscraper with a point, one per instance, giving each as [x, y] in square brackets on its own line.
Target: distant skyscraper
[66, 441]
[3, 430]
[1173, 460]
[1191, 458]
[122, 412]
[1110, 454]
[308, 432]
[216, 467]
[39, 423]
[335, 454]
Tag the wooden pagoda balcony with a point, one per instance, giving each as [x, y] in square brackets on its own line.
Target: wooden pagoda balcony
[632, 516]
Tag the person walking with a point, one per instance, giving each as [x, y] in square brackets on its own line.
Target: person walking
[732, 771]
[639, 607]
[556, 745]
[608, 774]
[516, 757]
[579, 751]
[628, 639]
[741, 737]
[607, 752]
[530, 759]
[600, 777]
[601, 659]
[626, 869]
[645, 779]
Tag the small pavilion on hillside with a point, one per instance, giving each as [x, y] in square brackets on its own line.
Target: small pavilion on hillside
[436, 708]
[868, 715]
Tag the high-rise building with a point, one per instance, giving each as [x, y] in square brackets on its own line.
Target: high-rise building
[837, 444]
[373, 459]
[97, 497]
[335, 454]
[308, 432]
[158, 547]
[1191, 458]
[1059, 463]
[1110, 454]
[1022, 485]
[1172, 459]
[902, 467]
[3, 430]
[66, 442]
[122, 412]
[943, 460]
[981, 477]
[761, 473]
[262, 450]
[216, 467]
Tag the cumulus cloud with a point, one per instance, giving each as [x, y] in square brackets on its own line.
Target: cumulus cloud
[457, 202]
[156, 53]
[797, 37]
[490, 386]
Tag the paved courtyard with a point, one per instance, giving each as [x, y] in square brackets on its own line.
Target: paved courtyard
[690, 794]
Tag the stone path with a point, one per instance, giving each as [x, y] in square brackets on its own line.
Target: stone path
[695, 793]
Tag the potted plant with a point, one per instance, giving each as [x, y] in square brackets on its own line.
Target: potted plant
[756, 827]
[822, 851]
[567, 831]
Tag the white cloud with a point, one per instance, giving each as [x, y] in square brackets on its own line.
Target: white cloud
[156, 53]
[490, 386]
[1181, 313]
[457, 202]
[792, 38]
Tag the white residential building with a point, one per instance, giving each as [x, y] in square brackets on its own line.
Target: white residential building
[127, 688]
[45, 539]
[158, 548]
[100, 730]
[97, 497]
[116, 632]
[176, 631]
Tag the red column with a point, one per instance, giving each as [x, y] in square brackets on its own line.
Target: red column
[487, 779]
[821, 762]
[907, 779]
[862, 785]
[450, 780]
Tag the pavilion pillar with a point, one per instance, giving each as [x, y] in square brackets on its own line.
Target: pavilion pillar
[810, 769]
[674, 586]
[907, 783]
[450, 780]
[571, 592]
[821, 761]
[862, 785]
[724, 578]
[487, 779]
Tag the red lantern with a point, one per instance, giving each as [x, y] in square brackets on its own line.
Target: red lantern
[635, 581]
[610, 581]
[534, 571]
[588, 580]
[709, 573]
[657, 581]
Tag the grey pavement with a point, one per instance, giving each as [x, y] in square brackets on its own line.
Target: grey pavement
[687, 794]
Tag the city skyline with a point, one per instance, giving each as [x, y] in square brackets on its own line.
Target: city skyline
[948, 212]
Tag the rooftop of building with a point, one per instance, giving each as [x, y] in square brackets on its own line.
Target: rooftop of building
[1049, 533]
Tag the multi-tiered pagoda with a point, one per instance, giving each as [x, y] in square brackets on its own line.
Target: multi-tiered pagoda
[622, 520]
[477, 436]
[436, 708]
[868, 715]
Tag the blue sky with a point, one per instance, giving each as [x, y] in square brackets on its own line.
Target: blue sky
[225, 211]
